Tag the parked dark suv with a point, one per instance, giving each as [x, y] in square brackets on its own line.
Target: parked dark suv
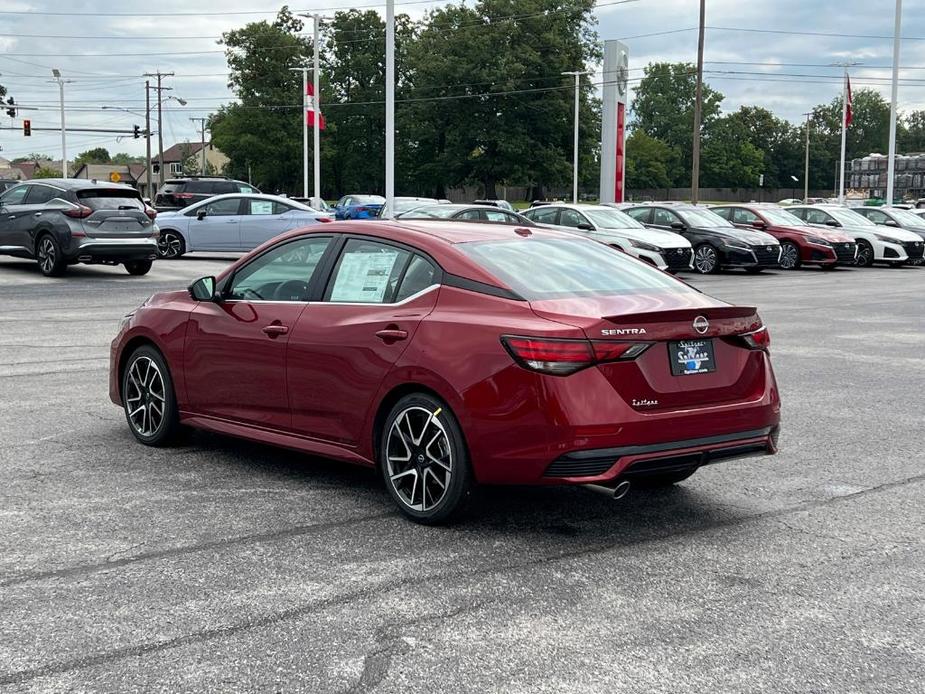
[180, 192]
[63, 221]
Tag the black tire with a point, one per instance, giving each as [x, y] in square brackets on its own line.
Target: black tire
[444, 458]
[865, 257]
[170, 244]
[790, 256]
[48, 255]
[665, 479]
[137, 267]
[141, 389]
[706, 259]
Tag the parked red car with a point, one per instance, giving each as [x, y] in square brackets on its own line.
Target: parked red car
[448, 354]
[800, 243]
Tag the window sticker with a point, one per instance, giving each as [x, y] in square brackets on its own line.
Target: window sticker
[364, 277]
[261, 207]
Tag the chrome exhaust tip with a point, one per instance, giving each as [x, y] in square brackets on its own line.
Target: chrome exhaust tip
[615, 493]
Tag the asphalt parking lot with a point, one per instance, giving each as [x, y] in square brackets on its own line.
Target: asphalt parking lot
[226, 566]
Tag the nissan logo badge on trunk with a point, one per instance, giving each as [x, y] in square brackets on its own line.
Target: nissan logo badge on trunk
[701, 324]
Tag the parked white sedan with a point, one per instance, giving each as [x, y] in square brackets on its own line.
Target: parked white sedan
[231, 223]
[664, 249]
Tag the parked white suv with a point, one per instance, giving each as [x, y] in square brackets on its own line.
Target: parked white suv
[876, 244]
[664, 249]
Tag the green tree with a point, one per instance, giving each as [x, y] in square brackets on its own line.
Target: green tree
[46, 172]
[126, 158]
[648, 161]
[728, 159]
[779, 142]
[663, 108]
[263, 131]
[97, 155]
[910, 132]
[35, 156]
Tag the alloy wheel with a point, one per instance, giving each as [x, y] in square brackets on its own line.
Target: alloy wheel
[145, 396]
[865, 255]
[47, 255]
[169, 245]
[419, 458]
[705, 260]
[789, 256]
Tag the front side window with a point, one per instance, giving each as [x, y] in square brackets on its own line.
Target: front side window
[283, 273]
[222, 208]
[571, 218]
[15, 195]
[817, 217]
[541, 268]
[367, 272]
[640, 214]
[242, 188]
[874, 215]
[542, 215]
[743, 216]
[724, 212]
[664, 218]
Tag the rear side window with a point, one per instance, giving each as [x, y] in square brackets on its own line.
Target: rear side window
[540, 268]
[367, 273]
[421, 274]
[39, 194]
[110, 199]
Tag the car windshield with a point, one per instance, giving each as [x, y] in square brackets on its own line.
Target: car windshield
[850, 219]
[431, 211]
[782, 217]
[110, 199]
[908, 219]
[613, 219]
[702, 218]
[544, 268]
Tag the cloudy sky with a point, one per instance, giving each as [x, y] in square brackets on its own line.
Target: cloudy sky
[772, 54]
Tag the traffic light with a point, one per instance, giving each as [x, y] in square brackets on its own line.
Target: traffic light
[27, 128]
[11, 112]
[137, 132]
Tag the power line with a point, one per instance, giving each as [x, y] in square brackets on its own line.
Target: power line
[813, 33]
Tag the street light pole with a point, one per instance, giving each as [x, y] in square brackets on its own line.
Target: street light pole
[698, 105]
[61, 82]
[316, 119]
[389, 108]
[160, 122]
[577, 75]
[304, 71]
[202, 123]
[148, 140]
[894, 94]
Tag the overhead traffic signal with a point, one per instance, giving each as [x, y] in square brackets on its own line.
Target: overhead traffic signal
[27, 128]
[11, 112]
[137, 132]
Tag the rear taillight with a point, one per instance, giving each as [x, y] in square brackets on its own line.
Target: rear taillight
[361, 209]
[151, 212]
[759, 339]
[78, 212]
[323, 219]
[183, 196]
[561, 357]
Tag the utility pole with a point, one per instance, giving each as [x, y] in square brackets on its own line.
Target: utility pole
[577, 75]
[57, 78]
[160, 121]
[894, 94]
[148, 140]
[390, 108]
[806, 162]
[698, 104]
[202, 124]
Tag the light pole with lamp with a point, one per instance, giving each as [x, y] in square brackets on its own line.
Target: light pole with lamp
[61, 82]
[793, 188]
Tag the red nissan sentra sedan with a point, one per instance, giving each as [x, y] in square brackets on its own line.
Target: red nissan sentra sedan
[448, 354]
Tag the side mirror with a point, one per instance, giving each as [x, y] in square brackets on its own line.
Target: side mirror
[203, 289]
[584, 226]
[678, 225]
[891, 223]
[832, 223]
[758, 224]
[201, 214]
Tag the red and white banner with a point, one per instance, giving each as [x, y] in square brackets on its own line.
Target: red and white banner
[311, 108]
[847, 101]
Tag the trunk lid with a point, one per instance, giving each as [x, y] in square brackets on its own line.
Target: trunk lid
[647, 383]
[116, 213]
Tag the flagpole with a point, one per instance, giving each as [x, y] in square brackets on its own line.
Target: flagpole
[844, 116]
[389, 109]
[891, 161]
[316, 118]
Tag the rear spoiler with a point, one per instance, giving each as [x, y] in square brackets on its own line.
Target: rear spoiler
[685, 314]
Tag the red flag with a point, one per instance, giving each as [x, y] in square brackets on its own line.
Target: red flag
[311, 109]
[848, 102]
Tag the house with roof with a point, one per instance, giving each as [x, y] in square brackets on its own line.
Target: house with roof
[175, 155]
[116, 173]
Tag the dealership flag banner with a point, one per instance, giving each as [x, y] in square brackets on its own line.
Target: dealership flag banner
[847, 101]
[311, 109]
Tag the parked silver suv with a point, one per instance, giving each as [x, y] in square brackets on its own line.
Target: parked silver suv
[60, 222]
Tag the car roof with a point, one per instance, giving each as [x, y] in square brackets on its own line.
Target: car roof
[78, 183]
[579, 207]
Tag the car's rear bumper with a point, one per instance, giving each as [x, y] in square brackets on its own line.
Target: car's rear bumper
[99, 250]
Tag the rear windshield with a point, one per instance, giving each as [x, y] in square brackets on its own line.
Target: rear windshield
[367, 199]
[200, 187]
[110, 199]
[173, 186]
[433, 211]
[555, 268]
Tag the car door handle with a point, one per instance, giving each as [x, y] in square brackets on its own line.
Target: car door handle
[275, 330]
[231, 221]
[392, 334]
[37, 214]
